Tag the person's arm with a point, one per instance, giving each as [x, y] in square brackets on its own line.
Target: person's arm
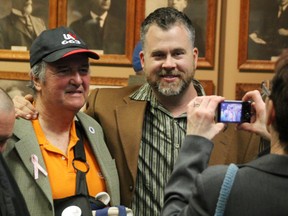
[24, 107]
[192, 160]
[283, 32]
[201, 117]
[254, 37]
[194, 155]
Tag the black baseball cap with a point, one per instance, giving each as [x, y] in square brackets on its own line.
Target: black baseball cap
[53, 44]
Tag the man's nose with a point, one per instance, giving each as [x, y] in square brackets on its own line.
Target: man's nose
[169, 62]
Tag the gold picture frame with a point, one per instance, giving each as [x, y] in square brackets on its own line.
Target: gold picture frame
[101, 81]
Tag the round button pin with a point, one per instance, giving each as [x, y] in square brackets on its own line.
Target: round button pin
[92, 130]
[72, 211]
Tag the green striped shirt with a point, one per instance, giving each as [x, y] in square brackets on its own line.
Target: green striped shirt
[162, 138]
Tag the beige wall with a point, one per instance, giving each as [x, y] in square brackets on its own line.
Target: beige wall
[225, 73]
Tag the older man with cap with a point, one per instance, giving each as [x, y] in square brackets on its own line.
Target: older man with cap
[48, 156]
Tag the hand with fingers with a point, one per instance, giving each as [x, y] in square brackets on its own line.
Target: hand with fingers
[201, 116]
[24, 107]
[258, 119]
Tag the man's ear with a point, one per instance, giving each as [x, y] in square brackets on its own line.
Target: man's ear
[195, 56]
[36, 82]
[141, 55]
[270, 112]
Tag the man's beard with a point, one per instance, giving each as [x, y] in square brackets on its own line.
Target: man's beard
[170, 89]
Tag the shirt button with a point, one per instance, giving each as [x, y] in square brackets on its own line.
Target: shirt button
[130, 187]
[177, 146]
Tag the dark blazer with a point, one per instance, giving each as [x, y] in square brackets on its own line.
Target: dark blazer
[37, 193]
[282, 22]
[13, 32]
[122, 119]
[113, 34]
[11, 200]
[260, 186]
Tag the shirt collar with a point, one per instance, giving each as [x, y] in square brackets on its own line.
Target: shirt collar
[17, 12]
[42, 138]
[284, 7]
[94, 16]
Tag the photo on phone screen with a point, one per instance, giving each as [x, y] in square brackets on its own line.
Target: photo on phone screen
[234, 112]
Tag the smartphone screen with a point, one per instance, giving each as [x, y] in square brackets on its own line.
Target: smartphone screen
[234, 112]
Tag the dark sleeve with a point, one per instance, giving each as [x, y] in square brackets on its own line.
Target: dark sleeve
[192, 160]
[11, 199]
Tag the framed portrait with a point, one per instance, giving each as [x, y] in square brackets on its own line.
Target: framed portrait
[262, 35]
[17, 31]
[113, 39]
[203, 16]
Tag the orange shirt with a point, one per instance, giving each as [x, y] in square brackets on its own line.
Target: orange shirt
[61, 173]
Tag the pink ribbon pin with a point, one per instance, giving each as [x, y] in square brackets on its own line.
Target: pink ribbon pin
[37, 166]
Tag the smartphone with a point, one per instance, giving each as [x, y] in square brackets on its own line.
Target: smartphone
[234, 111]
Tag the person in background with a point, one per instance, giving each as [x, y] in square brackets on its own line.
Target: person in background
[11, 200]
[136, 62]
[100, 29]
[41, 153]
[261, 182]
[20, 27]
[145, 126]
[138, 78]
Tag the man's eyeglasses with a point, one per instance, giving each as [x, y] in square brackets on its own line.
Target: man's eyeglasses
[265, 88]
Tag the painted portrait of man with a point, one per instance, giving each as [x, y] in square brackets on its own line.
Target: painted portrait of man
[100, 23]
[21, 21]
